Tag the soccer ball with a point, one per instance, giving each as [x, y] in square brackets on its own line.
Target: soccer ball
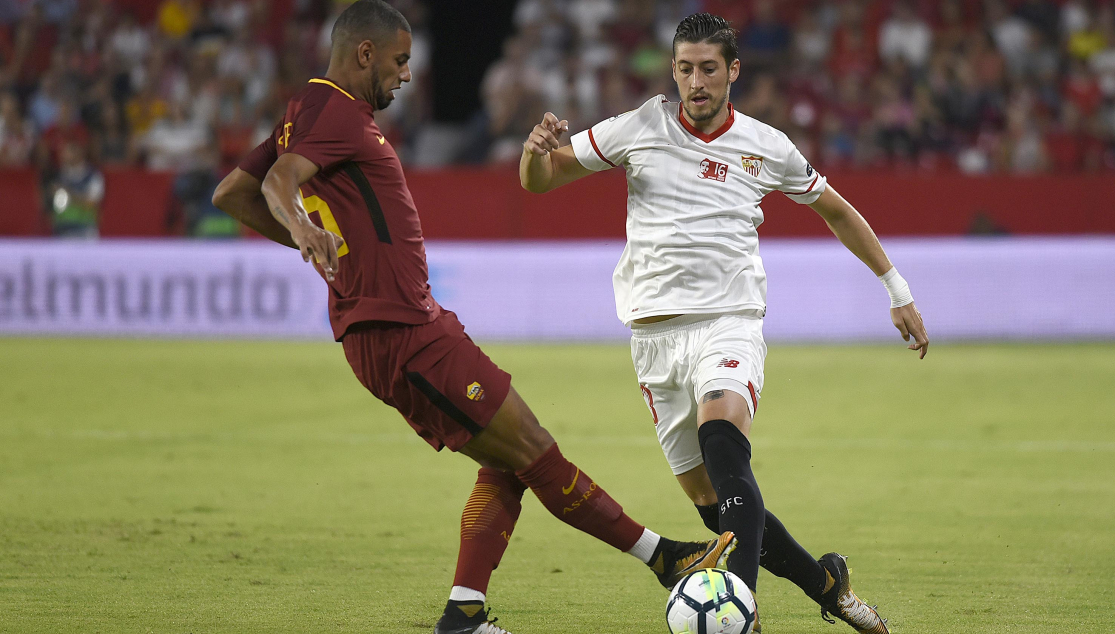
[711, 602]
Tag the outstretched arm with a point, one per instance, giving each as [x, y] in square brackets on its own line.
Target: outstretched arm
[280, 188]
[854, 232]
[544, 164]
[239, 196]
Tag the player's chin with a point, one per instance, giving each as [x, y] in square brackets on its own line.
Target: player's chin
[700, 109]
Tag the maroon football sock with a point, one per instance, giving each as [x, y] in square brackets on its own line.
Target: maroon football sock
[572, 497]
[486, 524]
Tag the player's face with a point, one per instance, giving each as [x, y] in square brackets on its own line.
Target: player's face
[391, 69]
[703, 79]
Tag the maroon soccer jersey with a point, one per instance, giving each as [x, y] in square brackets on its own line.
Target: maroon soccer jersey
[361, 195]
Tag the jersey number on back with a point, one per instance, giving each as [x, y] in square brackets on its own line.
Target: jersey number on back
[328, 222]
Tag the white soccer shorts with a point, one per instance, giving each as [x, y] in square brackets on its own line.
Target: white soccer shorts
[681, 359]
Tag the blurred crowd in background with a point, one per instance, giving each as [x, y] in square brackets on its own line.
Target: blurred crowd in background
[973, 85]
[980, 86]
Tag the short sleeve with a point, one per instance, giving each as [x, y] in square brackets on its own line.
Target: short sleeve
[605, 145]
[800, 182]
[326, 134]
[259, 161]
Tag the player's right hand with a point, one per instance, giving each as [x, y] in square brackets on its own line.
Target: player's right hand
[907, 319]
[546, 136]
[319, 245]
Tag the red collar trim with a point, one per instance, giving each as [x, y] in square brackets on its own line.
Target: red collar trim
[707, 138]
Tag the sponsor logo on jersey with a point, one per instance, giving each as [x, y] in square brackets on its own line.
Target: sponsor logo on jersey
[752, 164]
[728, 363]
[808, 170]
[475, 392]
[712, 170]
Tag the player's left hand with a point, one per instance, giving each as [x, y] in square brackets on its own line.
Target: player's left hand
[908, 321]
[318, 245]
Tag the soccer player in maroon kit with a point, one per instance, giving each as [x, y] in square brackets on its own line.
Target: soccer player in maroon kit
[328, 158]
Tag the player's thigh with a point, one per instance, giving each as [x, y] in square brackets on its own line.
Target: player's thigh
[445, 387]
[669, 402]
[513, 439]
[728, 379]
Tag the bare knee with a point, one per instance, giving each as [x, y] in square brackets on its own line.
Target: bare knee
[513, 439]
[697, 486]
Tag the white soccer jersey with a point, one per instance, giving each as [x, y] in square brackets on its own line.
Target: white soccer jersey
[693, 206]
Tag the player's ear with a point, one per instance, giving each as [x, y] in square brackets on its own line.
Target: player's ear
[366, 53]
[733, 71]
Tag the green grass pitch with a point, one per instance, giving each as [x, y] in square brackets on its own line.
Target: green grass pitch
[176, 487]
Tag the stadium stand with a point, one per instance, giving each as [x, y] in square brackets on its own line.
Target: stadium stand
[162, 97]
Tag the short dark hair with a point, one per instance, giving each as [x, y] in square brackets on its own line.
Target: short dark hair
[706, 27]
[368, 20]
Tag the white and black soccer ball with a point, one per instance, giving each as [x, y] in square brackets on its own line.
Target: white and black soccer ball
[711, 602]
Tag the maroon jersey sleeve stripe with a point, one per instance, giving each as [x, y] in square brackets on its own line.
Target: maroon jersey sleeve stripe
[592, 140]
[370, 200]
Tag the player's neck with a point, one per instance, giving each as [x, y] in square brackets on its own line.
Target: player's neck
[708, 126]
[344, 81]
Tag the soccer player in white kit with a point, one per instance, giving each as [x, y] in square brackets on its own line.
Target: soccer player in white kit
[691, 285]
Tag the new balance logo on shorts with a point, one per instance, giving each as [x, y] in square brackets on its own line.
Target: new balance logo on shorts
[728, 363]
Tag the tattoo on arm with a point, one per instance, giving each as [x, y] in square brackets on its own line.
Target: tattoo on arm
[280, 215]
[712, 396]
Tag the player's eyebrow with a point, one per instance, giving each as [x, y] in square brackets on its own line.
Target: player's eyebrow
[700, 63]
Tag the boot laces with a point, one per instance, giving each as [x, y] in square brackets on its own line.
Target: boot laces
[854, 611]
[489, 627]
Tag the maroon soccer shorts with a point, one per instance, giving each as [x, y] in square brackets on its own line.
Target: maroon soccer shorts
[433, 374]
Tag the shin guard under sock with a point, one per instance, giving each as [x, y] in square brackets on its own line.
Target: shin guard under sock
[727, 454]
[486, 525]
[572, 497]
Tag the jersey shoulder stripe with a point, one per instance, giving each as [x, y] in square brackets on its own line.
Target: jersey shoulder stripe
[592, 140]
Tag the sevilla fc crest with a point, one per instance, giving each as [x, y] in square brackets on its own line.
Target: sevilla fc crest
[752, 164]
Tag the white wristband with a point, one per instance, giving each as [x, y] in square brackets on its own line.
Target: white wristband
[897, 288]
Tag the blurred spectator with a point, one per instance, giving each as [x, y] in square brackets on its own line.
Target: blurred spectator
[764, 42]
[176, 18]
[130, 42]
[111, 145]
[57, 11]
[176, 142]
[1011, 33]
[67, 129]
[76, 194]
[17, 134]
[144, 109]
[811, 42]
[853, 52]
[512, 99]
[905, 37]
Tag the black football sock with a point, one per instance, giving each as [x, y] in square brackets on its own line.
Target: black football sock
[710, 515]
[727, 454]
[783, 557]
[780, 554]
